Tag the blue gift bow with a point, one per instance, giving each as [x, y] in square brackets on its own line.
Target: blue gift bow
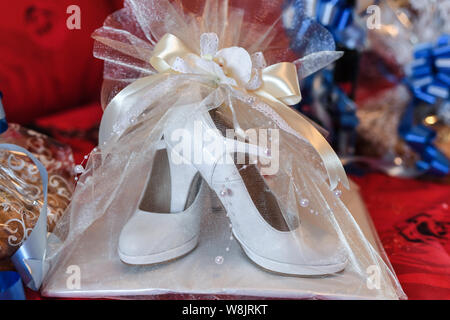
[343, 108]
[29, 259]
[429, 73]
[419, 137]
[11, 287]
[338, 17]
[335, 14]
[429, 81]
[421, 140]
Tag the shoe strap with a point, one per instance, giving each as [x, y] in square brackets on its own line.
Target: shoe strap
[182, 175]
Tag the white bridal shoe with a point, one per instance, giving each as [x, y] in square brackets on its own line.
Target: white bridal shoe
[166, 223]
[309, 248]
[280, 237]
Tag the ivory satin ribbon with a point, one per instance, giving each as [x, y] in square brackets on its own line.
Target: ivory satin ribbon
[280, 88]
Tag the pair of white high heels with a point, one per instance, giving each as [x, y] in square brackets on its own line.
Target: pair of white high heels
[166, 224]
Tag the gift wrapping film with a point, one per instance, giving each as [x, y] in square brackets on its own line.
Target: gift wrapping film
[169, 64]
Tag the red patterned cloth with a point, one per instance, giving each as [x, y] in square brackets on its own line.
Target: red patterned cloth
[77, 127]
[413, 221]
[44, 66]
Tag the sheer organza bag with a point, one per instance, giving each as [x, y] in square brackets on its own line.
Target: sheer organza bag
[205, 181]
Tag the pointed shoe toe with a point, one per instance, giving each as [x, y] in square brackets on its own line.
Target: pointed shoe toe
[284, 253]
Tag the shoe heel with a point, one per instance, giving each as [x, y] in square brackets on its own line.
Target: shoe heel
[183, 177]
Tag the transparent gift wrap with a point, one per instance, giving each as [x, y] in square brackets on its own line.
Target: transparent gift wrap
[205, 180]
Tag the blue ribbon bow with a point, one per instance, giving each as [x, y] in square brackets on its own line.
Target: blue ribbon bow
[429, 73]
[337, 111]
[334, 14]
[338, 17]
[429, 82]
[421, 140]
[345, 110]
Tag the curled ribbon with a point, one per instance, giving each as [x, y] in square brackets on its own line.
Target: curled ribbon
[279, 89]
[338, 16]
[334, 109]
[429, 82]
[430, 71]
[421, 139]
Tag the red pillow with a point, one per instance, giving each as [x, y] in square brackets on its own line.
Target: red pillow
[44, 66]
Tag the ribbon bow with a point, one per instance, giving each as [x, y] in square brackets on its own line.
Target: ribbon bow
[430, 71]
[335, 109]
[338, 17]
[429, 81]
[277, 85]
[336, 14]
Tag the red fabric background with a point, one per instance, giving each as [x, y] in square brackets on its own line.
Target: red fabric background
[44, 66]
[47, 72]
[413, 221]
